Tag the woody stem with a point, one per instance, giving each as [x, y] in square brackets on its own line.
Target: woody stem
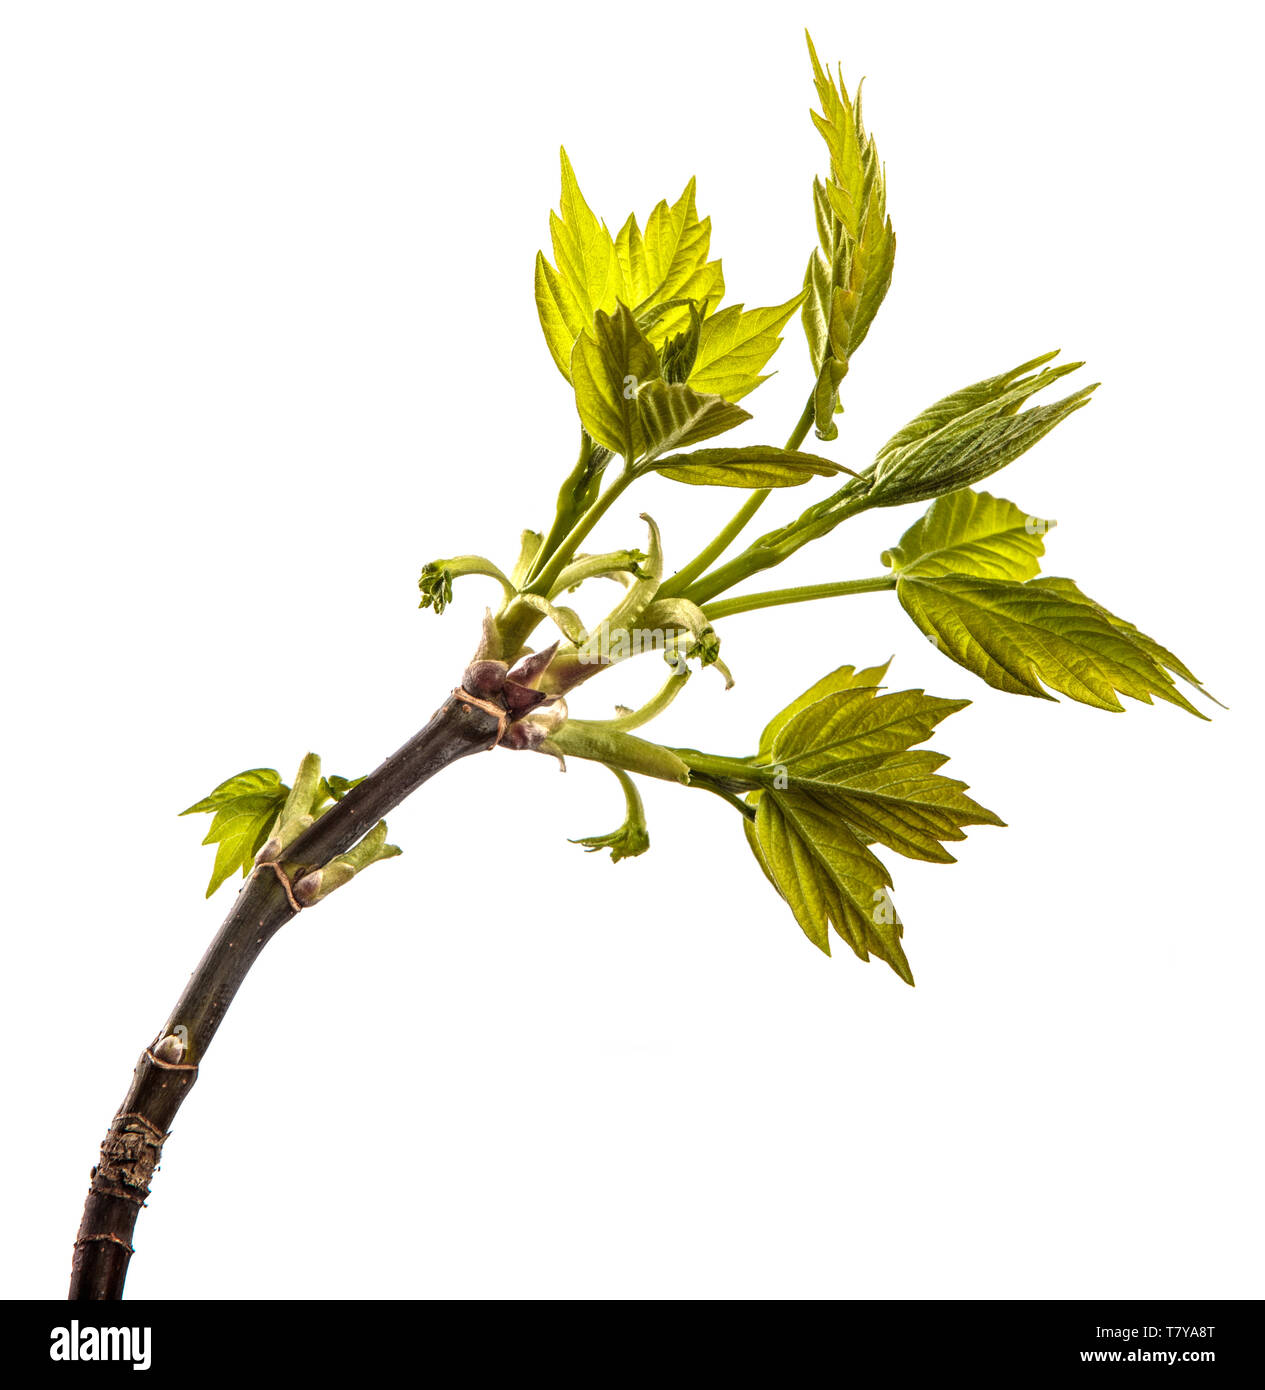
[166, 1070]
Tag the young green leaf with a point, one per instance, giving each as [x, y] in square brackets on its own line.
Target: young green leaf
[338, 787]
[828, 877]
[756, 466]
[843, 678]
[753, 843]
[974, 533]
[435, 586]
[256, 780]
[853, 724]
[846, 776]
[239, 829]
[1016, 636]
[1160, 655]
[669, 263]
[592, 270]
[247, 806]
[902, 802]
[587, 277]
[735, 345]
[852, 750]
[668, 283]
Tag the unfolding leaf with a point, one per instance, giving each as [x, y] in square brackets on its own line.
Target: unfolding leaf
[627, 842]
[677, 356]
[528, 548]
[566, 620]
[851, 164]
[869, 274]
[612, 639]
[849, 273]
[1002, 394]
[969, 435]
[846, 285]
[819, 280]
[621, 566]
[1017, 636]
[435, 585]
[686, 631]
[969, 532]
[610, 366]
[757, 466]
[673, 416]
[947, 462]
[631, 838]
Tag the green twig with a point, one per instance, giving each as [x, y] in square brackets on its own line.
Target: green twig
[716, 547]
[805, 593]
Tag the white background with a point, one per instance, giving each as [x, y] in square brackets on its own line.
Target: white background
[269, 344]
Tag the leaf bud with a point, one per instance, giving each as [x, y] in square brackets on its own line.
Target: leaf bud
[485, 677]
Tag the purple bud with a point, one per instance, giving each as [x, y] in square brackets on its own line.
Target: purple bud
[484, 678]
[530, 668]
[523, 737]
[519, 698]
[308, 889]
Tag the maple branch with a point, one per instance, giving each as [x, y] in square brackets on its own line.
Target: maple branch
[168, 1068]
